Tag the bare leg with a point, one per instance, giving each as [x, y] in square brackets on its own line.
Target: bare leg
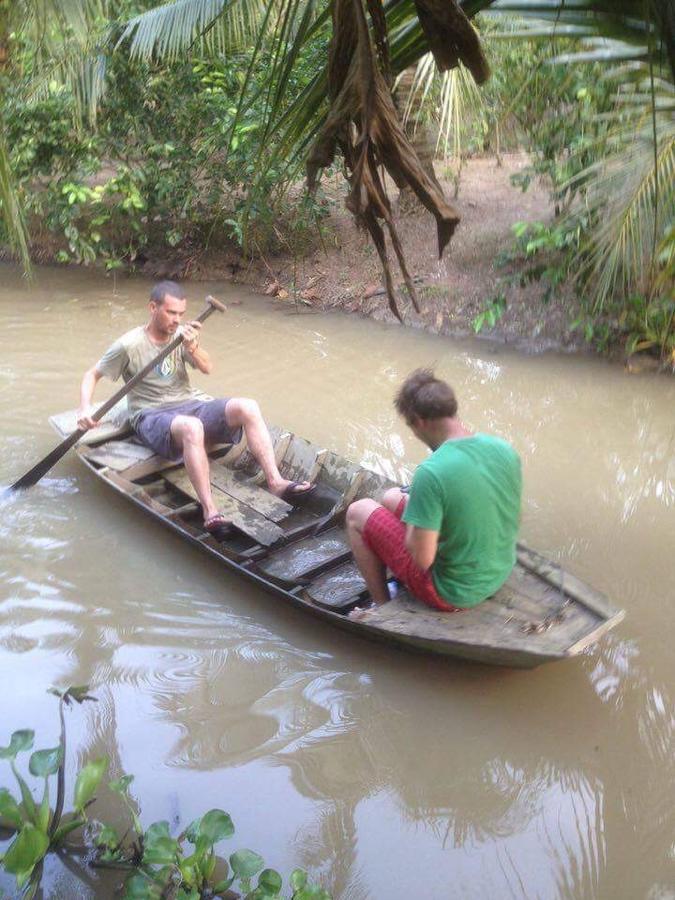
[392, 498]
[188, 434]
[371, 566]
[246, 414]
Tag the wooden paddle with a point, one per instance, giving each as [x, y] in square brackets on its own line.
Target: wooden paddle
[36, 473]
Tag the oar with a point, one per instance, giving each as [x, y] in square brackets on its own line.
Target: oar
[37, 472]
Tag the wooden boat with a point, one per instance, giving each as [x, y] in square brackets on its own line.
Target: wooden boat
[542, 613]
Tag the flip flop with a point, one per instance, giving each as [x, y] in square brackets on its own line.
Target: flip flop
[219, 527]
[296, 495]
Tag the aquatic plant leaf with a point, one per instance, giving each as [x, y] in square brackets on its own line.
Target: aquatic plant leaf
[270, 881]
[88, 780]
[9, 808]
[120, 785]
[107, 837]
[27, 849]
[66, 828]
[298, 879]
[246, 863]
[19, 741]
[139, 887]
[44, 763]
[159, 848]
[192, 831]
[215, 826]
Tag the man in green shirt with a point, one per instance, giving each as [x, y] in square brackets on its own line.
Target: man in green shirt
[452, 540]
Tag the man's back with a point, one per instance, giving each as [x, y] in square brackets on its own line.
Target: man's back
[469, 491]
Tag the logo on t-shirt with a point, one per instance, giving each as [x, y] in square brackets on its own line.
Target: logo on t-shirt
[168, 366]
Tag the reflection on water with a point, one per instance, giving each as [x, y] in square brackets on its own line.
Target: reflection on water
[387, 774]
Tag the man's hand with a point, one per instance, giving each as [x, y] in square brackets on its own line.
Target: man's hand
[191, 336]
[84, 419]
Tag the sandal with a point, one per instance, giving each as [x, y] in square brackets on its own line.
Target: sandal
[295, 494]
[219, 527]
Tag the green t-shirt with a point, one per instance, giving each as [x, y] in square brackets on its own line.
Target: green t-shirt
[168, 382]
[469, 491]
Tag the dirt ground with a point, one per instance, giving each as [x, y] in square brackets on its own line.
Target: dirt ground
[345, 273]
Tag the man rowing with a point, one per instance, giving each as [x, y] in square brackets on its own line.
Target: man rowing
[172, 417]
[452, 540]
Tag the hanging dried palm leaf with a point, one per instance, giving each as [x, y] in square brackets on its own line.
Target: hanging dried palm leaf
[363, 123]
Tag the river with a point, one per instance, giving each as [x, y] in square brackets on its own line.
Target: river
[384, 773]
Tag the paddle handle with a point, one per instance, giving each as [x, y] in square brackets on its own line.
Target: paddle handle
[36, 473]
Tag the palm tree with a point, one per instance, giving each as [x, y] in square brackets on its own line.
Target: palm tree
[347, 108]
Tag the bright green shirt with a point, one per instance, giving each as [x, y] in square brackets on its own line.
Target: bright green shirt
[469, 491]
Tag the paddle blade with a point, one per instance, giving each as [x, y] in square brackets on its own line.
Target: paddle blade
[40, 470]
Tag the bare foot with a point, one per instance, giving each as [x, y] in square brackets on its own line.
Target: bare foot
[362, 614]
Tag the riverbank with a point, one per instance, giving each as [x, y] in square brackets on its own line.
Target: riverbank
[344, 272]
[479, 286]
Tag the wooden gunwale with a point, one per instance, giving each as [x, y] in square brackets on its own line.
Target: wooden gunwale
[517, 654]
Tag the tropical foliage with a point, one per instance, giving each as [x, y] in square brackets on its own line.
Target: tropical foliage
[272, 87]
[153, 863]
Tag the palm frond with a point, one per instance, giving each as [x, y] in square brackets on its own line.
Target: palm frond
[170, 30]
[630, 192]
[10, 209]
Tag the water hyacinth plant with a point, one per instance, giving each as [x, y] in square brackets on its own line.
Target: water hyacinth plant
[155, 865]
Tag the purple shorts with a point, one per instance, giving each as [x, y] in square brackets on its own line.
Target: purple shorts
[154, 425]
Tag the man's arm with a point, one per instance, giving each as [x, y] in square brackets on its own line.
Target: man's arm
[199, 358]
[89, 381]
[422, 544]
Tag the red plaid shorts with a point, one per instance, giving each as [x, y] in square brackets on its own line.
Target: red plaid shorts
[384, 533]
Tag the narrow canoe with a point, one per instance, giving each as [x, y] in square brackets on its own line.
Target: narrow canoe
[542, 613]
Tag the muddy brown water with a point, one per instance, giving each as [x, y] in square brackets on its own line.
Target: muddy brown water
[386, 774]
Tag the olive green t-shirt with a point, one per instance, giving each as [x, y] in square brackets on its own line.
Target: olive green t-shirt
[469, 491]
[168, 382]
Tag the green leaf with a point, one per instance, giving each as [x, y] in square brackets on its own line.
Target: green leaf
[159, 848]
[44, 763]
[26, 796]
[43, 812]
[20, 740]
[65, 829]
[27, 849]
[223, 885]
[139, 887]
[107, 837]
[120, 785]
[215, 826]
[270, 881]
[88, 780]
[298, 879]
[246, 863]
[9, 808]
[192, 831]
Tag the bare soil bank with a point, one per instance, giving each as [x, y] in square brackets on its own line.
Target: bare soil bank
[345, 272]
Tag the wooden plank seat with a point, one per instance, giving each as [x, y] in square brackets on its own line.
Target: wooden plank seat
[114, 424]
[242, 516]
[118, 455]
[247, 491]
[338, 589]
[300, 461]
[309, 556]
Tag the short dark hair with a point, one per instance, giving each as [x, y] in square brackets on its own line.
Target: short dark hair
[424, 396]
[159, 292]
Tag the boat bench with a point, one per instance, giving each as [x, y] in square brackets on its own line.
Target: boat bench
[306, 558]
[244, 517]
[339, 589]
